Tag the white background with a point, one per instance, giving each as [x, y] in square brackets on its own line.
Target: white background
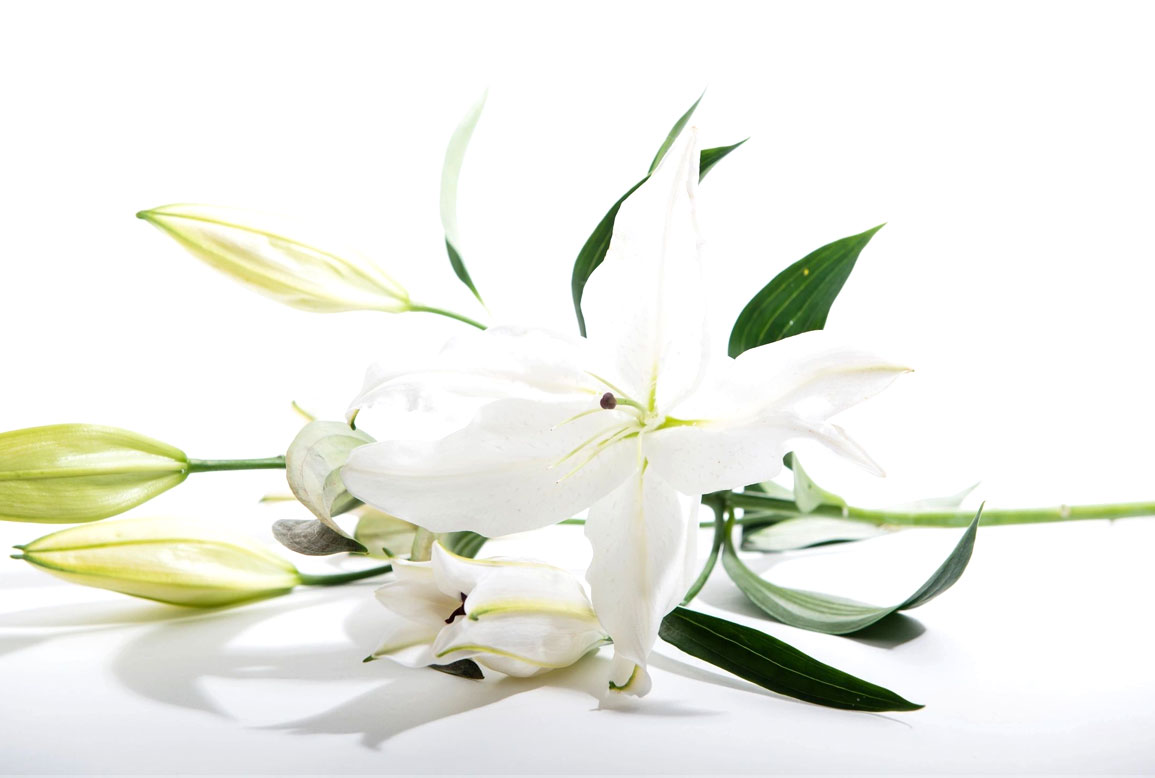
[1007, 145]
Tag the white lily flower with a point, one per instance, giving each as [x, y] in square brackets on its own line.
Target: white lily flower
[635, 423]
[516, 617]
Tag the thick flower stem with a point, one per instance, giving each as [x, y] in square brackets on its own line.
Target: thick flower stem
[991, 517]
[213, 465]
[422, 545]
[336, 579]
[447, 314]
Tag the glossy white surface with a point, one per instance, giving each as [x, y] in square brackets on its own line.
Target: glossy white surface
[1009, 149]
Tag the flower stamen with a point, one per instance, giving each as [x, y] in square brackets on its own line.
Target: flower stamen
[459, 612]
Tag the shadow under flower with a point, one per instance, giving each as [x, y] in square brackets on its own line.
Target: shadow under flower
[168, 664]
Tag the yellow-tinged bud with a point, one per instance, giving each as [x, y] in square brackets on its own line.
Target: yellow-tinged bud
[383, 535]
[168, 560]
[255, 252]
[69, 473]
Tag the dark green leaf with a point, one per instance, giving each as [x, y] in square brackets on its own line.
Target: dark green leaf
[774, 665]
[462, 668]
[311, 537]
[838, 615]
[598, 243]
[711, 157]
[465, 543]
[799, 298]
[592, 254]
[459, 268]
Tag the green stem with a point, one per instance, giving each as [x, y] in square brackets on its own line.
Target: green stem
[701, 524]
[422, 545]
[717, 502]
[336, 579]
[213, 465]
[448, 314]
[991, 517]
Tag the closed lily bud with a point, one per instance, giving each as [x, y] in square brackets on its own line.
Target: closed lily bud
[517, 617]
[254, 252]
[313, 468]
[70, 473]
[168, 560]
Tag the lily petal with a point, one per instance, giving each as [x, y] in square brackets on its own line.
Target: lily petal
[743, 421]
[644, 303]
[475, 369]
[519, 465]
[414, 594]
[519, 644]
[811, 375]
[499, 585]
[643, 537]
[409, 643]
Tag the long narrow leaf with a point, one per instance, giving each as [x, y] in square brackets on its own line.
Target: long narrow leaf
[673, 134]
[838, 615]
[799, 298]
[774, 665]
[450, 173]
[593, 252]
[807, 531]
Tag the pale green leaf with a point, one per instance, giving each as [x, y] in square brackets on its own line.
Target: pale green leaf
[807, 531]
[450, 173]
[838, 615]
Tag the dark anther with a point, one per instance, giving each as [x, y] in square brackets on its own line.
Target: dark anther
[609, 402]
[459, 612]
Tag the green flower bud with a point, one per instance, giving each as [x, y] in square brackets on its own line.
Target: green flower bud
[313, 468]
[168, 560]
[241, 245]
[69, 473]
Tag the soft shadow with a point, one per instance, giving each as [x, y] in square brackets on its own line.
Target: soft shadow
[10, 644]
[97, 614]
[199, 648]
[894, 630]
[416, 696]
[171, 663]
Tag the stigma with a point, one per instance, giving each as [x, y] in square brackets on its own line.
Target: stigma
[609, 402]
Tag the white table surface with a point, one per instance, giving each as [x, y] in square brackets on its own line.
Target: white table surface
[1023, 666]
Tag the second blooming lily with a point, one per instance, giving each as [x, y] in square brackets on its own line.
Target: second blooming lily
[634, 423]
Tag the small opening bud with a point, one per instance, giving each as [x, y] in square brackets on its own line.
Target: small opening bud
[609, 402]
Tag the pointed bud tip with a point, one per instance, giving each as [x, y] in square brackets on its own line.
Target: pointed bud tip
[369, 658]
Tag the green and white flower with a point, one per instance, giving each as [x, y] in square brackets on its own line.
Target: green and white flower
[634, 423]
[517, 617]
